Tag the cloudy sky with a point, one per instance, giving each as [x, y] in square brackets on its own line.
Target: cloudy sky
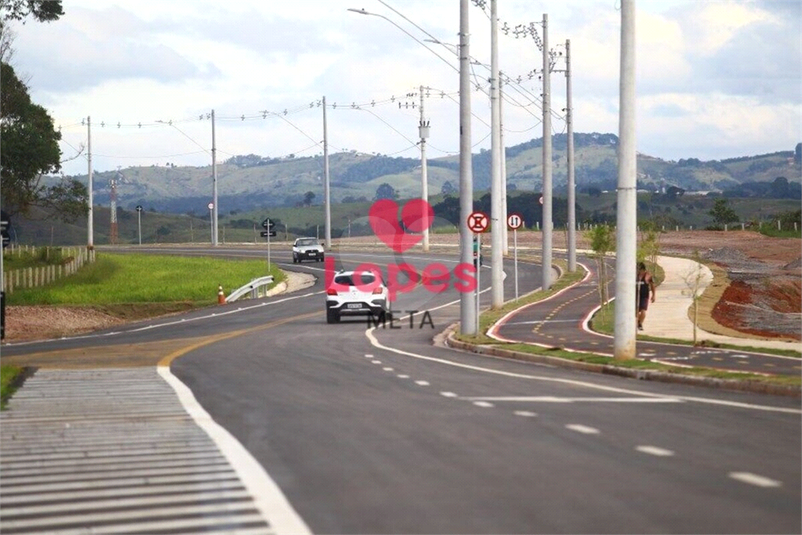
[716, 78]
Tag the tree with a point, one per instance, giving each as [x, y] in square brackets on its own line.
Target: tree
[28, 151]
[694, 280]
[649, 243]
[602, 241]
[385, 191]
[722, 213]
[309, 196]
[41, 10]
[448, 189]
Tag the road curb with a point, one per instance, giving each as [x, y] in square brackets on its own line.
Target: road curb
[755, 387]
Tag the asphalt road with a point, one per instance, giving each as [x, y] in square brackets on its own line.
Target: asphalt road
[379, 431]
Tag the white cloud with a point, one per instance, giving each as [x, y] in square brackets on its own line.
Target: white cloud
[716, 79]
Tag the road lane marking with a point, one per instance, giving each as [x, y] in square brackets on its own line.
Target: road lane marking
[573, 382]
[754, 479]
[584, 429]
[526, 414]
[387, 369]
[448, 394]
[376, 361]
[422, 383]
[368, 356]
[403, 376]
[268, 498]
[485, 404]
[654, 450]
[555, 399]
[166, 361]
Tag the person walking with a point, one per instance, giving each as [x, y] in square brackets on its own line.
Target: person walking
[645, 288]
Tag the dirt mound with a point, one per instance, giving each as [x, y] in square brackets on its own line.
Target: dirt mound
[24, 323]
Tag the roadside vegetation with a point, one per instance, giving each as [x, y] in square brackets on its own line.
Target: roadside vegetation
[9, 381]
[146, 285]
[603, 322]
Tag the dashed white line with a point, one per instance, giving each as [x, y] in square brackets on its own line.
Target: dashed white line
[526, 414]
[403, 376]
[387, 369]
[376, 361]
[483, 404]
[422, 383]
[368, 356]
[654, 450]
[582, 429]
[754, 479]
[448, 394]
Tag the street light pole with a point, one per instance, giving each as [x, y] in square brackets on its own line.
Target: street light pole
[497, 219]
[626, 219]
[569, 121]
[214, 185]
[468, 315]
[423, 130]
[547, 223]
[326, 178]
[90, 229]
[503, 155]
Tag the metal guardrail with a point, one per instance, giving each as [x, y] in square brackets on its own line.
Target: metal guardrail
[251, 288]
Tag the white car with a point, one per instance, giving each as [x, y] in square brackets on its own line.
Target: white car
[307, 249]
[345, 297]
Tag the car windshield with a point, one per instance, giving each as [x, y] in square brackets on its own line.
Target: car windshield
[307, 241]
[347, 280]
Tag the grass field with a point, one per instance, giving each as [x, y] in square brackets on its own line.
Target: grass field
[119, 279]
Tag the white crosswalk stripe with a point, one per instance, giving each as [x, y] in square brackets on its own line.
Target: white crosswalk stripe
[114, 451]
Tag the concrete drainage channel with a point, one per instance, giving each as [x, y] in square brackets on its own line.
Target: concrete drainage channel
[114, 451]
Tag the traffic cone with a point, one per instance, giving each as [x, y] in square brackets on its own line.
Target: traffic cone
[221, 297]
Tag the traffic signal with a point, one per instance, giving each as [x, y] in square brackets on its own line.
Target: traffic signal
[268, 224]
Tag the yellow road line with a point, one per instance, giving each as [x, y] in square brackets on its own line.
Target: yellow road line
[167, 360]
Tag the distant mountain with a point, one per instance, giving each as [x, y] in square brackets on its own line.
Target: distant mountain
[250, 181]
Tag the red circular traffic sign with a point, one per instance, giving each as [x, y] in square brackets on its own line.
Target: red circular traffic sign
[515, 221]
[211, 205]
[478, 222]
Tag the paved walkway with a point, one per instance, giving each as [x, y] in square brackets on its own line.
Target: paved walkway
[668, 315]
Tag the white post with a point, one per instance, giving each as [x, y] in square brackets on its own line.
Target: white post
[626, 239]
[498, 220]
[468, 316]
[423, 130]
[214, 186]
[569, 112]
[90, 230]
[515, 254]
[326, 178]
[547, 223]
[504, 240]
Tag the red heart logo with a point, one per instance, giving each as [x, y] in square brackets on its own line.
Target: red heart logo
[416, 215]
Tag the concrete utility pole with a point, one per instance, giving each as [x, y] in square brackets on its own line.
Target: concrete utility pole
[569, 120]
[497, 218]
[214, 185]
[625, 268]
[326, 189]
[547, 223]
[468, 317]
[423, 130]
[504, 240]
[90, 229]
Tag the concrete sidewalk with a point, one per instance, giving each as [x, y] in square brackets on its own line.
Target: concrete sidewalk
[668, 315]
